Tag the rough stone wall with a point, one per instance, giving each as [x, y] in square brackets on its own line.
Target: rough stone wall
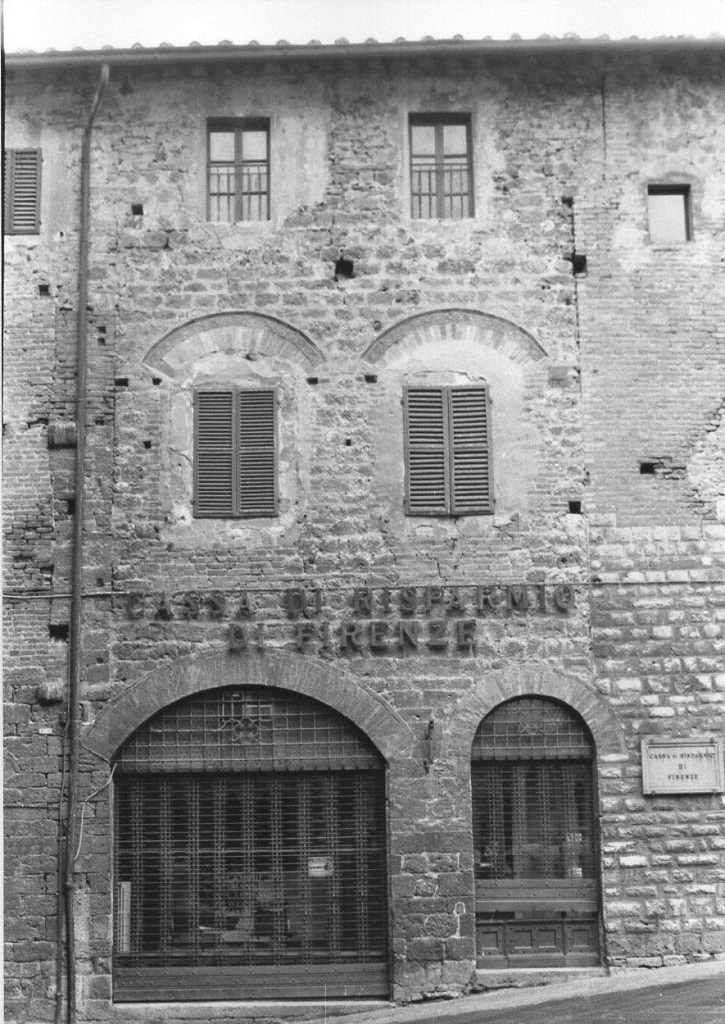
[34, 661]
[655, 389]
[558, 169]
[651, 319]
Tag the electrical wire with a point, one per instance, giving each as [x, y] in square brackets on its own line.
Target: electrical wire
[83, 811]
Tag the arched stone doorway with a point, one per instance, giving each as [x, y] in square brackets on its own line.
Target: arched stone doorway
[535, 837]
[249, 852]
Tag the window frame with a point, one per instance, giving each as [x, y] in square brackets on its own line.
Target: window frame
[238, 125]
[438, 121]
[10, 198]
[453, 503]
[674, 188]
[236, 510]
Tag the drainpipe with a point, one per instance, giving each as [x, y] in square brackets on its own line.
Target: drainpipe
[74, 654]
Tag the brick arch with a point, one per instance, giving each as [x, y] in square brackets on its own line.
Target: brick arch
[334, 687]
[469, 325]
[533, 681]
[234, 332]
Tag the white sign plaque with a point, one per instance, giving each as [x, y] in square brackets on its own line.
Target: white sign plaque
[682, 766]
[319, 867]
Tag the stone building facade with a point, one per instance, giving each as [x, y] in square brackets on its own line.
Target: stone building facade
[420, 681]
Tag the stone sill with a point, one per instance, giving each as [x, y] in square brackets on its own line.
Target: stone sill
[525, 977]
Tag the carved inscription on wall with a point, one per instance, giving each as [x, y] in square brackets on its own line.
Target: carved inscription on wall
[378, 620]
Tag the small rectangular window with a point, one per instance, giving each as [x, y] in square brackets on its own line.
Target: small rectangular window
[235, 454]
[21, 186]
[441, 170]
[448, 451]
[668, 210]
[238, 159]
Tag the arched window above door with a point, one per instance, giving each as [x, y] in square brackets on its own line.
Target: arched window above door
[247, 728]
[529, 728]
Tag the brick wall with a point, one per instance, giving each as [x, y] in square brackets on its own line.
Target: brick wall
[652, 379]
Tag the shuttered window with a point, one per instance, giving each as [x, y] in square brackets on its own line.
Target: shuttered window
[235, 454]
[448, 451]
[21, 174]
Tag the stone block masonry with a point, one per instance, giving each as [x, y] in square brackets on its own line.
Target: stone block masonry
[594, 583]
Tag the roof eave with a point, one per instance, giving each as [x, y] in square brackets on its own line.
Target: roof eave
[344, 51]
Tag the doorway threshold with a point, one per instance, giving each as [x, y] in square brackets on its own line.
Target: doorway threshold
[528, 977]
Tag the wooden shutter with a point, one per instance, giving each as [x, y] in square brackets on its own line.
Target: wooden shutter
[215, 477]
[22, 191]
[426, 455]
[448, 451]
[471, 483]
[257, 453]
[235, 465]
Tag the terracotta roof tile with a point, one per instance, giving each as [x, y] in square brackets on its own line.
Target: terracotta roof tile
[453, 44]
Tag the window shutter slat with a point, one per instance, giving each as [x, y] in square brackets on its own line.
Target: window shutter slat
[425, 451]
[448, 451]
[257, 453]
[22, 184]
[471, 483]
[214, 454]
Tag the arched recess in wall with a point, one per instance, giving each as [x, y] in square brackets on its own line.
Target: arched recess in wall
[485, 373]
[250, 832]
[249, 335]
[331, 686]
[534, 815]
[535, 836]
[221, 370]
[470, 326]
[533, 681]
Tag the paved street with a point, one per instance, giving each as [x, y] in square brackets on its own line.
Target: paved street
[686, 994]
[696, 1002]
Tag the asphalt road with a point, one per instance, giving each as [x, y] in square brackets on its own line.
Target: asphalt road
[693, 1002]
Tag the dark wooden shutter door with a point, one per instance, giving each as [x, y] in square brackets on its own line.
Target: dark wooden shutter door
[236, 454]
[22, 191]
[257, 453]
[471, 484]
[425, 451]
[214, 465]
[448, 451]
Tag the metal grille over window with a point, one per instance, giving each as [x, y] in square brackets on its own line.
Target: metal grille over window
[441, 172]
[239, 170]
[235, 454]
[534, 836]
[21, 184]
[246, 729]
[448, 451]
[532, 728]
[533, 820]
[250, 853]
